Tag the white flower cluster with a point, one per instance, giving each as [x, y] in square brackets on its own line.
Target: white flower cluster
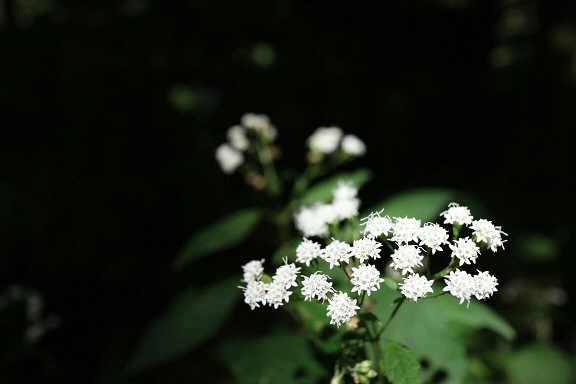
[413, 240]
[314, 220]
[327, 140]
[230, 155]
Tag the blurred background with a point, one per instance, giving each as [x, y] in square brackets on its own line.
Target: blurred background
[111, 112]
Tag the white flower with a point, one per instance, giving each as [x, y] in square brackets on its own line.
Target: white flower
[406, 257]
[255, 293]
[311, 221]
[337, 252]
[365, 248]
[415, 287]
[460, 284]
[307, 251]
[229, 158]
[260, 123]
[325, 139]
[345, 208]
[405, 229]
[365, 277]
[485, 285]
[237, 138]
[466, 250]
[457, 214]
[316, 286]
[376, 225]
[341, 308]
[277, 293]
[433, 236]
[287, 274]
[352, 145]
[488, 233]
[344, 191]
[253, 270]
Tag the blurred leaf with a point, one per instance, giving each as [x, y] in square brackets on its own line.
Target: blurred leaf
[422, 203]
[322, 191]
[191, 318]
[538, 364]
[277, 358]
[435, 330]
[399, 364]
[223, 234]
[538, 248]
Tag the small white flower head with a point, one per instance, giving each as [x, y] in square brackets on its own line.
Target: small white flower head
[366, 248]
[376, 225]
[465, 250]
[260, 123]
[307, 251]
[311, 221]
[365, 277]
[277, 293]
[229, 158]
[460, 284]
[253, 270]
[488, 233]
[237, 137]
[353, 146]
[255, 293]
[457, 214]
[415, 287]
[405, 229]
[341, 308]
[287, 274]
[316, 286]
[345, 208]
[485, 285]
[344, 191]
[433, 236]
[337, 252]
[325, 140]
[406, 258]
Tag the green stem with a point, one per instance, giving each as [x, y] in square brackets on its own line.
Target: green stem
[394, 311]
[452, 266]
[268, 168]
[377, 351]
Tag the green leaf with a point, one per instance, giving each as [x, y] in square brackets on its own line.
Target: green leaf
[191, 319]
[436, 330]
[399, 363]
[422, 203]
[277, 358]
[220, 235]
[322, 191]
[538, 363]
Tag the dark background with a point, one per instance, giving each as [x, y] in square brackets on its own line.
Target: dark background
[104, 174]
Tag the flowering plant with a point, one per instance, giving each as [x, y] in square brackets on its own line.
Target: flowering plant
[342, 273]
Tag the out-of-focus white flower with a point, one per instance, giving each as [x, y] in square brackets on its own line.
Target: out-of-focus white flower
[253, 270]
[312, 221]
[345, 208]
[433, 236]
[406, 258]
[277, 294]
[325, 139]
[366, 248]
[341, 308]
[237, 137]
[365, 277]
[405, 229]
[465, 250]
[260, 123]
[457, 214]
[488, 233]
[484, 285]
[415, 286]
[316, 286]
[337, 252]
[307, 251]
[352, 145]
[255, 293]
[460, 284]
[287, 274]
[229, 158]
[376, 225]
[344, 191]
